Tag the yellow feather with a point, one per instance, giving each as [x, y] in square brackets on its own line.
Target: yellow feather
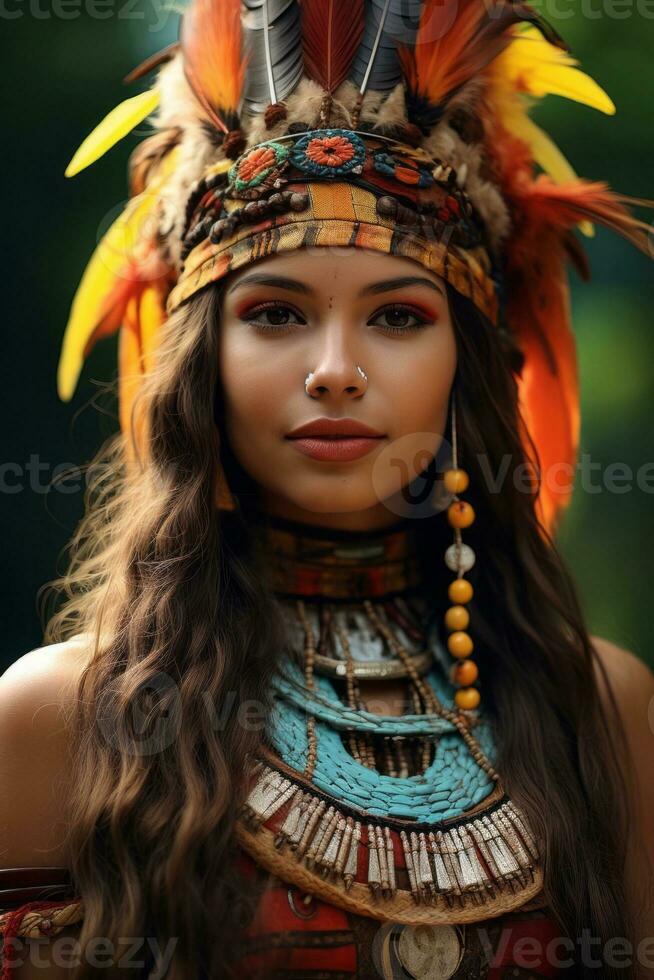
[100, 277]
[117, 124]
[531, 66]
[152, 314]
[538, 68]
[129, 366]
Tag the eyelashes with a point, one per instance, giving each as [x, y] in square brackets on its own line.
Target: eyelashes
[280, 318]
[279, 313]
[401, 311]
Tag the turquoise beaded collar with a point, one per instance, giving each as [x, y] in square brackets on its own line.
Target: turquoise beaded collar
[452, 784]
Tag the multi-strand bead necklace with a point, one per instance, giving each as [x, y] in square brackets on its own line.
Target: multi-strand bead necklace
[392, 816]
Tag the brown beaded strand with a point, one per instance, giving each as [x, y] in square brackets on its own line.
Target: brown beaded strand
[360, 746]
[309, 661]
[460, 514]
[430, 698]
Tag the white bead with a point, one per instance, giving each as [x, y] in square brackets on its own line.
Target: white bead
[459, 559]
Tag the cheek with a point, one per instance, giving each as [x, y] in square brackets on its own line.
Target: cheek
[253, 392]
[422, 383]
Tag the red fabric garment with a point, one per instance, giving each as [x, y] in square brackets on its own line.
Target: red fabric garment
[294, 936]
[9, 933]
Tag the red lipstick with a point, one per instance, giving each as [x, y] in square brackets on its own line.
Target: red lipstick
[335, 440]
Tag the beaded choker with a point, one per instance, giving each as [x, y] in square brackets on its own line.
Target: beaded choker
[307, 561]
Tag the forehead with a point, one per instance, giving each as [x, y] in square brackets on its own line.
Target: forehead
[322, 266]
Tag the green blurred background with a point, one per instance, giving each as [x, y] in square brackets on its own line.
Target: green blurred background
[64, 61]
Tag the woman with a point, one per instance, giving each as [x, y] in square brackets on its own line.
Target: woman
[329, 704]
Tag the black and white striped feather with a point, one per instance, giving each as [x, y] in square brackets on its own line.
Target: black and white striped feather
[273, 44]
[388, 24]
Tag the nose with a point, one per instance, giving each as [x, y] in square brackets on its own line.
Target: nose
[345, 379]
[337, 372]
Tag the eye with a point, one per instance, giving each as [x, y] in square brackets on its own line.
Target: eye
[273, 317]
[401, 319]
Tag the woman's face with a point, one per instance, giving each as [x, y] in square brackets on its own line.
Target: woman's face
[322, 315]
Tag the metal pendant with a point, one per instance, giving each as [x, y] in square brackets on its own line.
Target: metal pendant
[420, 952]
[429, 952]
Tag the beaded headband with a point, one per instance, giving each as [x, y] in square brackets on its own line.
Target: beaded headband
[396, 125]
[335, 187]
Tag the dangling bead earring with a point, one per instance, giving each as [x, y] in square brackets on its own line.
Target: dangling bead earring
[460, 558]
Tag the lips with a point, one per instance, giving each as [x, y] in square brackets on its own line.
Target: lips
[335, 429]
[335, 440]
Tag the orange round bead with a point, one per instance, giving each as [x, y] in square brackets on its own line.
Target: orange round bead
[455, 481]
[459, 644]
[465, 672]
[460, 514]
[457, 618]
[467, 698]
[460, 590]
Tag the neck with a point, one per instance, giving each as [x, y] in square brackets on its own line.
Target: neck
[303, 559]
[376, 518]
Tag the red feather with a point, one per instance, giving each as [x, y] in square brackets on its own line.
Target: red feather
[331, 34]
[211, 40]
[538, 312]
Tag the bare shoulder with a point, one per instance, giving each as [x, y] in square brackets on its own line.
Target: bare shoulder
[631, 680]
[632, 683]
[36, 695]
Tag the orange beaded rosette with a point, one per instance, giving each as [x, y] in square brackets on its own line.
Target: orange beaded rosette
[330, 151]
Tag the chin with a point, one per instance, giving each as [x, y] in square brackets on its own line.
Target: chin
[335, 496]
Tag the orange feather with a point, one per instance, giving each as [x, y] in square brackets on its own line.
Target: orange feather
[455, 43]
[139, 337]
[538, 311]
[214, 65]
[135, 276]
[562, 206]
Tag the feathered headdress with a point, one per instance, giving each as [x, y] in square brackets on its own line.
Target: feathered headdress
[400, 125]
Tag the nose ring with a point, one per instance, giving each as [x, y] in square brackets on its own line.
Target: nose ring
[309, 376]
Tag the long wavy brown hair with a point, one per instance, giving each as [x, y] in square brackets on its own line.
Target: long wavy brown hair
[168, 591]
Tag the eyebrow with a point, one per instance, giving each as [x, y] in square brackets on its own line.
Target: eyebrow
[386, 286]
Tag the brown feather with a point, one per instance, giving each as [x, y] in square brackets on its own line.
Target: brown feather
[148, 155]
[331, 34]
[154, 61]
[576, 254]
